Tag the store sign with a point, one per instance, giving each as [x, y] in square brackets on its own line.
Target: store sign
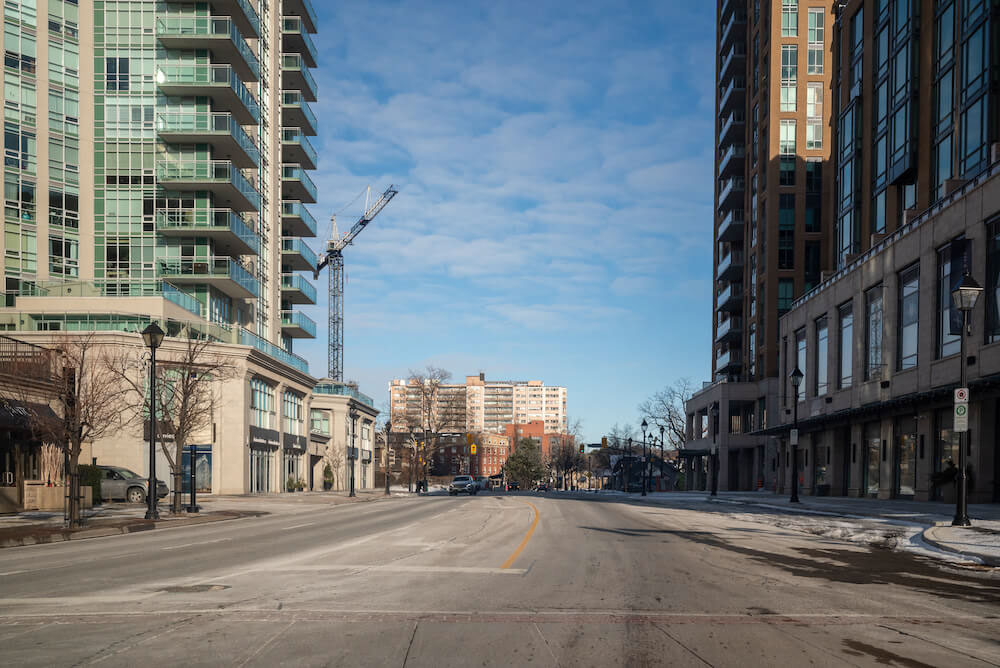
[294, 442]
[264, 438]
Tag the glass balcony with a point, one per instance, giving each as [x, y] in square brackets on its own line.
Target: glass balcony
[296, 325]
[242, 12]
[220, 83]
[296, 148]
[223, 273]
[729, 362]
[220, 177]
[229, 233]
[734, 62]
[345, 390]
[735, 26]
[295, 75]
[731, 193]
[220, 131]
[732, 129]
[304, 10]
[297, 256]
[177, 296]
[217, 34]
[295, 39]
[295, 112]
[296, 221]
[296, 184]
[732, 161]
[731, 226]
[731, 298]
[248, 338]
[730, 329]
[732, 95]
[297, 290]
[730, 266]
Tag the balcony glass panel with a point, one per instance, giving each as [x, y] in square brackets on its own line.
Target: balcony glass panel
[248, 338]
[293, 209]
[195, 75]
[295, 99]
[211, 267]
[184, 300]
[297, 319]
[209, 172]
[300, 247]
[294, 63]
[181, 122]
[296, 136]
[209, 26]
[296, 173]
[343, 390]
[293, 24]
[207, 220]
[296, 282]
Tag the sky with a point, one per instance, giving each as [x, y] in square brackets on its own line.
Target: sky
[554, 216]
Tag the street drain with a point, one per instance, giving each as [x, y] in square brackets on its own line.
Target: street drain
[194, 589]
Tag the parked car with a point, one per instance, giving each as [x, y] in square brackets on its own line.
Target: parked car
[462, 483]
[121, 483]
[543, 487]
[513, 485]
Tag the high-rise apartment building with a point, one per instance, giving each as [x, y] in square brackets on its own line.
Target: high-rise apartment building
[156, 164]
[913, 206]
[481, 406]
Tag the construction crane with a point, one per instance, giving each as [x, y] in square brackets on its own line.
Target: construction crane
[335, 258]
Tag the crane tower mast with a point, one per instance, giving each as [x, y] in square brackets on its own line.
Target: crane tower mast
[335, 258]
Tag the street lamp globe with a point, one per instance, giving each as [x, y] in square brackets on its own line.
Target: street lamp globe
[796, 378]
[967, 293]
[152, 336]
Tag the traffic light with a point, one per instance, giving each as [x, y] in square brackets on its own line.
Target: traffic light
[473, 449]
[604, 442]
[581, 448]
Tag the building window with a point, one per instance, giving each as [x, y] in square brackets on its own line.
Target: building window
[846, 313]
[948, 344]
[822, 351]
[812, 262]
[817, 17]
[878, 213]
[116, 72]
[789, 18]
[992, 294]
[261, 403]
[786, 172]
[786, 230]
[800, 360]
[292, 411]
[786, 294]
[319, 422]
[909, 311]
[789, 63]
[873, 333]
[786, 143]
[64, 256]
[788, 97]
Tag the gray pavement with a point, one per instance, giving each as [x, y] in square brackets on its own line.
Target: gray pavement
[491, 580]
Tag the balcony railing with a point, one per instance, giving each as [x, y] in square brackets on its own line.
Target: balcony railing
[218, 34]
[296, 147]
[729, 31]
[223, 272]
[296, 184]
[343, 390]
[298, 325]
[217, 224]
[219, 176]
[297, 289]
[295, 75]
[242, 11]
[24, 360]
[221, 130]
[730, 264]
[731, 93]
[729, 328]
[731, 297]
[298, 249]
[732, 120]
[295, 112]
[303, 9]
[732, 159]
[295, 37]
[218, 82]
[731, 226]
[248, 338]
[296, 221]
[737, 52]
[729, 191]
[187, 302]
[729, 360]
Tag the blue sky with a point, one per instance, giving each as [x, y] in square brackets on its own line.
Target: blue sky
[554, 162]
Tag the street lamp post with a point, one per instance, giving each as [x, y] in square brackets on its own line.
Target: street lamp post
[644, 465]
[965, 296]
[388, 430]
[796, 378]
[351, 449]
[715, 449]
[152, 336]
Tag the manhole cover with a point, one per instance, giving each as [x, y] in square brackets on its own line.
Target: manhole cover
[194, 589]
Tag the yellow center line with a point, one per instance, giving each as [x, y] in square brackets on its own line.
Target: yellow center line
[513, 557]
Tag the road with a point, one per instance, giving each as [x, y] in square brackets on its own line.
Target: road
[492, 580]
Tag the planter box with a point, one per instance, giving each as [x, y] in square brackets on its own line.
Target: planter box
[39, 497]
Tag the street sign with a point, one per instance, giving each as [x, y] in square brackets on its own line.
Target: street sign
[961, 417]
[793, 437]
[962, 395]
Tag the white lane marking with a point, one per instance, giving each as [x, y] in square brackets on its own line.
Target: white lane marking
[299, 526]
[204, 542]
[388, 568]
[14, 572]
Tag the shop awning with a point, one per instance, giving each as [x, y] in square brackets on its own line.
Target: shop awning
[20, 414]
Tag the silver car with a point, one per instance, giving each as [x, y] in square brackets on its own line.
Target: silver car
[121, 483]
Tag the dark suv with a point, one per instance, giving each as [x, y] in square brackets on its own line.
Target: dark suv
[121, 483]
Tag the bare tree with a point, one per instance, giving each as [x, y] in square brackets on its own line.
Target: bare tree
[440, 408]
[87, 396]
[336, 464]
[666, 409]
[189, 377]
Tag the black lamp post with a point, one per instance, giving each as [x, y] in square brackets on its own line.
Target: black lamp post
[152, 336]
[351, 451]
[644, 428]
[715, 449]
[965, 295]
[388, 430]
[796, 378]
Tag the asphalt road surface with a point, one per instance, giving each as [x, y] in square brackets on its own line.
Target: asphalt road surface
[492, 580]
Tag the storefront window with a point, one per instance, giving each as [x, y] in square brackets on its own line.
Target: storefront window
[873, 448]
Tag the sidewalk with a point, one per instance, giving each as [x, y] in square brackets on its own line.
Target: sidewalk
[933, 520]
[109, 519]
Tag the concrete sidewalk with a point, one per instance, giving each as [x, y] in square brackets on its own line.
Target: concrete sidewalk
[109, 519]
[980, 541]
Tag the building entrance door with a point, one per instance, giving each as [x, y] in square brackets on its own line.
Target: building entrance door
[260, 470]
[844, 456]
[905, 456]
[872, 459]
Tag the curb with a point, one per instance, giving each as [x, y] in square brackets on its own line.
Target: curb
[940, 544]
[43, 535]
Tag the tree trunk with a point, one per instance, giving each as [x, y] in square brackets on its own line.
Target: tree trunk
[74, 487]
[178, 480]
